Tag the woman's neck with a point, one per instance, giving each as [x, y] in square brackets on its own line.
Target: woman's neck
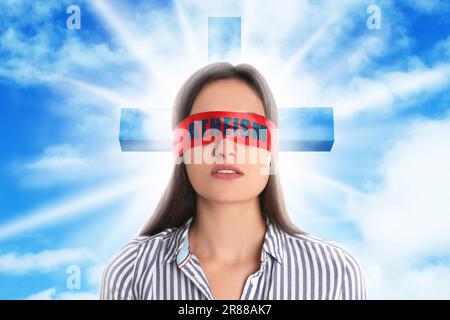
[227, 232]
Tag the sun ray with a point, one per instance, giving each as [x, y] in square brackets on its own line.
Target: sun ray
[55, 79]
[299, 55]
[337, 185]
[392, 86]
[308, 170]
[187, 32]
[68, 208]
[140, 208]
[135, 46]
[107, 94]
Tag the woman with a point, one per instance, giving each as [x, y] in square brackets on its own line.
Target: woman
[221, 230]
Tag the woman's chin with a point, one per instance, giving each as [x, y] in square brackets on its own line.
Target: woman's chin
[227, 197]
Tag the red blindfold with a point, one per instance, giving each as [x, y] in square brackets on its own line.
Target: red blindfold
[250, 129]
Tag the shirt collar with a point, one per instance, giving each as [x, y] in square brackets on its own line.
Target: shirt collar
[178, 245]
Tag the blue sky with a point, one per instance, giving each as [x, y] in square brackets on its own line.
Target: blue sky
[69, 196]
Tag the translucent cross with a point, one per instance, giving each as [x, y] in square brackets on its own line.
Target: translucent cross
[300, 129]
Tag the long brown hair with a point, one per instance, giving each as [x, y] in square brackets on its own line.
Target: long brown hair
[178, 202]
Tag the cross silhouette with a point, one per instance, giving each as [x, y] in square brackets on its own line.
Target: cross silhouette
[300, 129]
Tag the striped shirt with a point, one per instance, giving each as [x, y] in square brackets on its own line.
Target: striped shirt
[294, 267]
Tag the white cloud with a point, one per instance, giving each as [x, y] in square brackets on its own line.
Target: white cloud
[75, 295]
[61, 158]
[430, 282]
[442, 48]
[43, 295]
[47, 260]
[411, 207]
[52, 294]
[94, 274]
[387, 91]
[407, 220]
[429, 6]
[36, 49]
[87, 160]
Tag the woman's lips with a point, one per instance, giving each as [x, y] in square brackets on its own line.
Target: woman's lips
[226, 172]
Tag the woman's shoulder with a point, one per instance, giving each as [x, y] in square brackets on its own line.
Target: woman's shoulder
[120, 272]
[324, 246]
[335, 255]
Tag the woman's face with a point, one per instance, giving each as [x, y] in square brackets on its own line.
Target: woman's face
[228, 95]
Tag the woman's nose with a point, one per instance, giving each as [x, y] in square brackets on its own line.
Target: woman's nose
[224, 147]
